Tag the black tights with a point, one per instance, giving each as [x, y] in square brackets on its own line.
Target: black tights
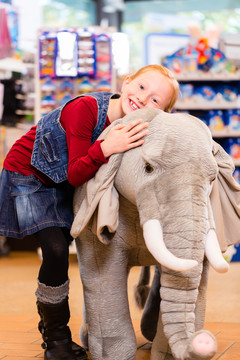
[54, 242]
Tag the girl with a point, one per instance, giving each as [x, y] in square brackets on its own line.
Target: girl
[43, 167]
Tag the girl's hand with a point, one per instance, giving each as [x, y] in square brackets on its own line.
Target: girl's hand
[124, 137]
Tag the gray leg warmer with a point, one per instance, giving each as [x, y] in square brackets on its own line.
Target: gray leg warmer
[52, 295]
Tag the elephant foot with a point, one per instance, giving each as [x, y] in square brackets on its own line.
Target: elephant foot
[203, 346]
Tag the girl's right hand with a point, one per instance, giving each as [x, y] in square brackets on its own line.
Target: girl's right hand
[124, 137]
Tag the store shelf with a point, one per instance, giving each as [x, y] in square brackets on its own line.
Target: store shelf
[224, 133]
[211, 76]
[11, 64]
[214, 97]
[25, 112]
[197, 104]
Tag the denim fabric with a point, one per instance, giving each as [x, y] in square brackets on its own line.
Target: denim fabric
[27, 205]
[50, 152]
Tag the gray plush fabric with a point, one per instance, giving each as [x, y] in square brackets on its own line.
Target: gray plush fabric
[168, 179]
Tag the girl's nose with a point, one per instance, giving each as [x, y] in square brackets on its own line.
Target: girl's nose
[142, 98]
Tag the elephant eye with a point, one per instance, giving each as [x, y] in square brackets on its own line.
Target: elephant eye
[148, 168]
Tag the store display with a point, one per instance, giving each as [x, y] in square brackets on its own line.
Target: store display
[198, 56]
[103, 56]
[66, 61]
[210, 90]
[216, 120]
[73, 62]
[47, 48]
[86, 58]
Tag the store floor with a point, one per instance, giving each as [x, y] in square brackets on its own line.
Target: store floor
[20, 339]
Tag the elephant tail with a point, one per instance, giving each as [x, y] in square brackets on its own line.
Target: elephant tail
[142, 288]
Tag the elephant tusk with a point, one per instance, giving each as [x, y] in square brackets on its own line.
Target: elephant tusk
[214, 254]
[153, 236]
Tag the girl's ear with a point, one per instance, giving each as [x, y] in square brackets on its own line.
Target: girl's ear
[126, 81]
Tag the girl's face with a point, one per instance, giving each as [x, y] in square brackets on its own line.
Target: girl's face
[148, 90]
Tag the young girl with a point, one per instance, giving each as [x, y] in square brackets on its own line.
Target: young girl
[43, 167]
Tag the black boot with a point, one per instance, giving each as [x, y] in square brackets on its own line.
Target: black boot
[56, 334]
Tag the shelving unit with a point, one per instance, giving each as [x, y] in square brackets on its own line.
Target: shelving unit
[197, 105]
[61, 75]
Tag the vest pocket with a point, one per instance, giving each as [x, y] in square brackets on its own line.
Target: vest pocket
[48, 146]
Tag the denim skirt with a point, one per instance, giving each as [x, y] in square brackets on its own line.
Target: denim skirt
[27, 205]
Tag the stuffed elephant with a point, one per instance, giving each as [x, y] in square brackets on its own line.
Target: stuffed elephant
[151, 206]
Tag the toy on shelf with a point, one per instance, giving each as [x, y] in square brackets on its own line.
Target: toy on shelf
[199, 57]
[236, 174]
[47, 51]
[211, 96]
[204, 92]
[233, 119]
[209, 87]
[66, 60]
[66, 90]
[85, 85]
[86, 53]
[216, 120]
[72, 62]
[232, 147]
[103, 56]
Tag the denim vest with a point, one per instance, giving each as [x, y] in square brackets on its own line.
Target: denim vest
[50, 152]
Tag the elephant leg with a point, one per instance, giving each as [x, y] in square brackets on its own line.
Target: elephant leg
[142, 289]
[104, 274]
[150, 314]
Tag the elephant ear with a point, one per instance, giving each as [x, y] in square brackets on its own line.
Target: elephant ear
[225, 200]
[96, 203]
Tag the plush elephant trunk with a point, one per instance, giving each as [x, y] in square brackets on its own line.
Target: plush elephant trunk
[153, 236]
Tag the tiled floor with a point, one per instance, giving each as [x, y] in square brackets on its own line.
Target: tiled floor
[20, 339]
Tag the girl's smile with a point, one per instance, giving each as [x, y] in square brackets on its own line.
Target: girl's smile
[150, 89]
[133, 105]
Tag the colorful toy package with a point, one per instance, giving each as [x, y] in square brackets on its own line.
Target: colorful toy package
[47, 51]
[66, 90]
[233, 119]
[86, 53]
[103, 56]
[228, 92]
[232, 146]
[197, 55]
[204, 92]
[236, 174]
[216, 120]
[186, 92]
[66, 61]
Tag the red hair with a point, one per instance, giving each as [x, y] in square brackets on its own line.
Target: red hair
[166, 72]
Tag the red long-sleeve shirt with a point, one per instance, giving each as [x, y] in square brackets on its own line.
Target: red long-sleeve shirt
[78, 118]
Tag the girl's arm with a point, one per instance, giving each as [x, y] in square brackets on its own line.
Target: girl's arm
[79, 119]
